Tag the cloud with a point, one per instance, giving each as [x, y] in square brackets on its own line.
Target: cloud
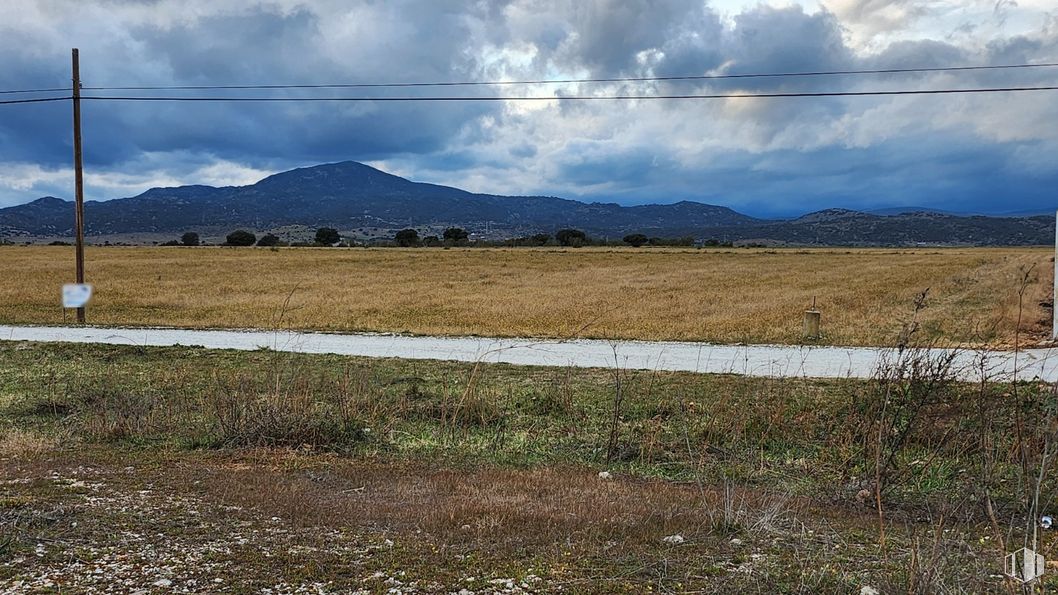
[876, 16]
[768, 156]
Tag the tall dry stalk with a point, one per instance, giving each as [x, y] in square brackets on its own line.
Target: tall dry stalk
[612, 443]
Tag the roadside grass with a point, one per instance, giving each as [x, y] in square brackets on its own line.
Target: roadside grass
[487, 472]
[805, 436]
[649, 294]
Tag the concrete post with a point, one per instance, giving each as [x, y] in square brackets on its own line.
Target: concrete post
[811, 325]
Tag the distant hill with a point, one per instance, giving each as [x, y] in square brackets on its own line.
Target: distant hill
[352, 195]
[908, 210]
[836, 227]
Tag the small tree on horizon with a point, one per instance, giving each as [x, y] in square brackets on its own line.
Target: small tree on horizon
[407, 238]
[636, 239]
[327, 236]
[456, 235]
[540, 239]
[268, 240]
[240, 237]
[190, 239]
[571, 237]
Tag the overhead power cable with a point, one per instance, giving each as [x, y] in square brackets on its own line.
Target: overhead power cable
[538, 97]
[575, 97]
[66, 89]
[34, 100]
[578, 80]
[548, 81]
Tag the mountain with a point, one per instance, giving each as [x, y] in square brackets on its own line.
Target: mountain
[839, 227]
[908, 210]
[352, 195]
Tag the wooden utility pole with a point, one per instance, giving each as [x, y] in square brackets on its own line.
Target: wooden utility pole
[78, 177]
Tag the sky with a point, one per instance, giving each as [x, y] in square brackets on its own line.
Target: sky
[992, 153]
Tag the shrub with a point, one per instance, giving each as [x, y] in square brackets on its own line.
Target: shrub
[571, 237]
[635, 239]
[286, 419]
[327, 236]
[432, 241]
[268, 240]
[172, 243]
[190, 239]
[456, 235]
[407, 237]
[240, 237]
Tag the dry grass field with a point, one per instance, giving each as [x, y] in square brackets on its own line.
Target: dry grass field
[738, 295]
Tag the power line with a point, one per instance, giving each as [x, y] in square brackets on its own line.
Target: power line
[546, 81]
[34, 100]
[539, 98]
[35, 91]
[575, 97]
[579, 80]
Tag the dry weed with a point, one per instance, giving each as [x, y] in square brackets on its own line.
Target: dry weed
[17, 442]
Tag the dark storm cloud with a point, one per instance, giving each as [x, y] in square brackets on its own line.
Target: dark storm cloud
[768, 156]
[265, 47]
[262, 45]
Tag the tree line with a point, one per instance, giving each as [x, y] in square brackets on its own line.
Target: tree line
[452, 236]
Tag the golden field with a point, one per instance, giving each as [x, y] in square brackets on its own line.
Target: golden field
[741, 295]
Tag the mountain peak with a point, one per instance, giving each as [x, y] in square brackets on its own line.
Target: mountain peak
[830, 215]
[342, 172]
[49, 201]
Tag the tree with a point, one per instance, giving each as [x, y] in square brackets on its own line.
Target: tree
[190, 239]
[240, 237]
[268, 239]
[407, 237]
[456, 235]
[636, 239]
[540, 239]
[432, 241]
[327, 236]
[571, 237]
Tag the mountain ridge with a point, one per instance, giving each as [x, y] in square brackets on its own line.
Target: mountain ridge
[351, 195]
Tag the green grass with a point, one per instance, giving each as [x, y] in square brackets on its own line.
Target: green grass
[417, 450]
[800, 435]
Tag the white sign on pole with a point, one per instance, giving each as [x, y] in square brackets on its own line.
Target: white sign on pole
[76, 295]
